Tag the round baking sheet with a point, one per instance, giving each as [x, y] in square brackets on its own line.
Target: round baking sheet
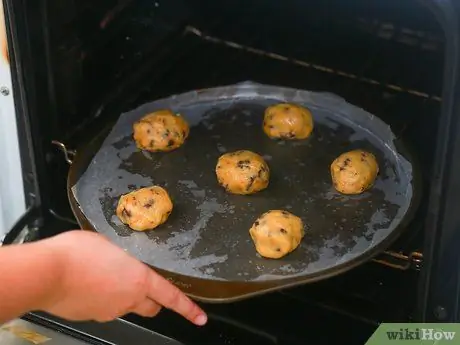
[207, 235]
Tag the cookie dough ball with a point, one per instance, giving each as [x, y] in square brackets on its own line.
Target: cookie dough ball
[145, 208]
[354, 172]
[276, 233]
[161, 130]
[288, 121]
[242, 172]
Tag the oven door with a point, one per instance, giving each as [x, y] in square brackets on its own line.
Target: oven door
[38, 329]
[12, 196]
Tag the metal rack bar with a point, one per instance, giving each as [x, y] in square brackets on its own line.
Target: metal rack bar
[325, 69]
[401, 261]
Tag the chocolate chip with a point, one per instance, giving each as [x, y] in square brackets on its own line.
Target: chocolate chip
[148, 131]
[166, 133]
[244, 164]
[170, 143]
[363, 159]
[184, 134]
[126, 213]
[168, 213]
[251, 182]
[283, 231]
[271, 126]
[346, 162]
[287, 108]
[284, 213]
[149, 203]
[256, 223]
[278, 249]
[152, 143]
[341, 168]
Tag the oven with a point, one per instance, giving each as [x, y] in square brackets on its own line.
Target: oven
[75, 66]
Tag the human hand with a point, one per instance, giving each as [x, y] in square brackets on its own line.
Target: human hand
[99, 281]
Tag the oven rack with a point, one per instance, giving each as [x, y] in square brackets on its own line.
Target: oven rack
[302, 63]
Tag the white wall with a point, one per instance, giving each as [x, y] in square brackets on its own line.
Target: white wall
[12, 199]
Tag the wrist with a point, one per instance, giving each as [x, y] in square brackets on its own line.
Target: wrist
[54, 277]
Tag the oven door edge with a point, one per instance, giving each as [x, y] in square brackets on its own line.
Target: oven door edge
[27, 183]
[12, 194]
[118, 332]
[439, 292]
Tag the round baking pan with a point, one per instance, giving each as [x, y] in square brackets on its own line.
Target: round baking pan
[204, 247]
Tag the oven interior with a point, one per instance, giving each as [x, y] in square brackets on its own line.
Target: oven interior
[106, 57]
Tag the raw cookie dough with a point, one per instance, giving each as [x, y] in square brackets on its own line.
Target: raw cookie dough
[161, 130]
[276, 233]
[354, 172]
[145, 208]
[288, 121]
[242, 172]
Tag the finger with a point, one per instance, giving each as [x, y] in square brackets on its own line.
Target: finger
[147, 308]
[169, 296]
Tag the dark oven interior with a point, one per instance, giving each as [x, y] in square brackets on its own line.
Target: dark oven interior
[102, 58]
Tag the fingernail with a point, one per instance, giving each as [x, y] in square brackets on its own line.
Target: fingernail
[200, 320]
